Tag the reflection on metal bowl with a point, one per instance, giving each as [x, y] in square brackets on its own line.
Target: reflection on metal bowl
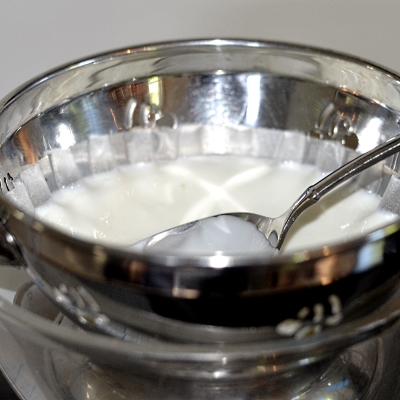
[47, 356]
[140, 104]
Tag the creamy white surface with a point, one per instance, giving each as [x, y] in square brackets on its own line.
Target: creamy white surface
[132, 203]
[222, 234]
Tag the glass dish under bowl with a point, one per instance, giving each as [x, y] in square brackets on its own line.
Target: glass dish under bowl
[46, 356]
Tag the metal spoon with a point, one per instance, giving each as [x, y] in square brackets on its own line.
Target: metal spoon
[276, 229]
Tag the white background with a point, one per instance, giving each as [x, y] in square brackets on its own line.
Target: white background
[37, 35]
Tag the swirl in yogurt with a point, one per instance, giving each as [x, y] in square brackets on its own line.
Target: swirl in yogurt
[134, 202]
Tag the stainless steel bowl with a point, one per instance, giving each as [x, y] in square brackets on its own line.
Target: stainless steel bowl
[141, 104]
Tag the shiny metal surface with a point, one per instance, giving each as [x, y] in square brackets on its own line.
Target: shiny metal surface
[135, 102]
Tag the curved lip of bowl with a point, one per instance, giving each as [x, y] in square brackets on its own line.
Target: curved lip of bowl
[175, 44]
[193, 261]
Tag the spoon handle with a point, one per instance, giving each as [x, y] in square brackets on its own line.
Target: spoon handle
[342, 174]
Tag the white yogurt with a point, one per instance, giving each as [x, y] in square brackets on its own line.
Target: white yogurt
[127, 205]
[219, 235]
